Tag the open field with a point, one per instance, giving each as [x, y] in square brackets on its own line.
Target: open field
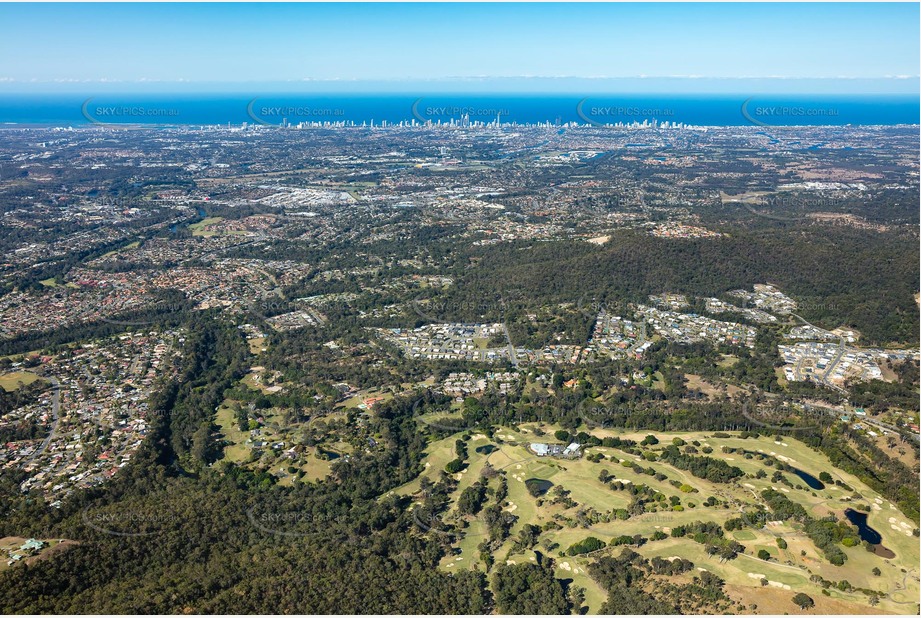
[236, 451]
[239, 448]
[709, 389]
[132, 245]
[199, 229]
[256, 345]
[787, 572]
[12, 381]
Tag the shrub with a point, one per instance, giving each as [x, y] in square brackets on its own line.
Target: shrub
[803, 600]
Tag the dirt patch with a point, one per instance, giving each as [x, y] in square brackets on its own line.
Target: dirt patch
[54, 546]
[709, 389]
[57, 548]
[902, 452]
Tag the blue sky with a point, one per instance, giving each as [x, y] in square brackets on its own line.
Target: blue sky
[156, 46]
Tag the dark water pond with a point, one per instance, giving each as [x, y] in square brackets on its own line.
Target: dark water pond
[810, 480]
[538, 487]
[866, 532]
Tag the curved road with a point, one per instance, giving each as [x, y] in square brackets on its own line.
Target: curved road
[55, 412]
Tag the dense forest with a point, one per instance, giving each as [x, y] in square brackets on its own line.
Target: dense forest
[839, 277]
[161, 539]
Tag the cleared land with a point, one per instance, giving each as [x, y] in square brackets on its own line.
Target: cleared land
[12, 381]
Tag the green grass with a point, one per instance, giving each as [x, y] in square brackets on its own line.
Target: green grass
[237, 451]
[198, 229]
[580, 478]
[133, 245]
[12, 381]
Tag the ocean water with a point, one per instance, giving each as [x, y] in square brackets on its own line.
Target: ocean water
[221, 109]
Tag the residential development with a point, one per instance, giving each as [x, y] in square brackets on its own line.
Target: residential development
[95, 415]
[471, 342]
[692, 328]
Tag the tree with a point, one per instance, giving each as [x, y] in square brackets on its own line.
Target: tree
[460, 449]
[201, 440]
[763, 554]
[529, 589]
[471, 499]
[804, 601]
[527, 537]
[585, 546]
